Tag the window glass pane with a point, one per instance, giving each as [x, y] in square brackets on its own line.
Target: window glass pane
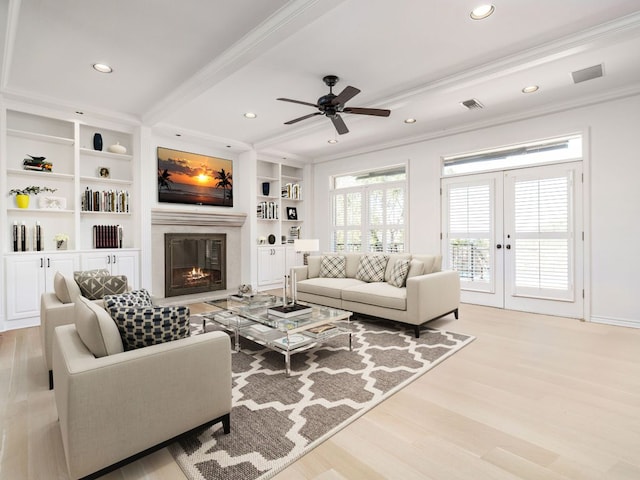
[339, 211]
[376, 210]
[395, 240]
[534, 153]
[395, 206]
[354, 208]
[354, 241]
[395, 174]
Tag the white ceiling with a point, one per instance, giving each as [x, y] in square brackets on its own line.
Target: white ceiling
[195, 66]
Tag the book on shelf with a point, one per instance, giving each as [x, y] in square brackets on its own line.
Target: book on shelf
[288, 311]
[107, 236]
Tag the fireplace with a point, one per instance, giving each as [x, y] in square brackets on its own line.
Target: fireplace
[194, 263]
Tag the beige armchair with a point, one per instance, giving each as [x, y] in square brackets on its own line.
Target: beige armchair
[115, 405]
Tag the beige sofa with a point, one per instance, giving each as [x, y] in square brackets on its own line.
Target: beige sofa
[116, 405]
[428, 293]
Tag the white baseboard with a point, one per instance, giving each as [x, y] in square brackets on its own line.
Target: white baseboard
[620, 322]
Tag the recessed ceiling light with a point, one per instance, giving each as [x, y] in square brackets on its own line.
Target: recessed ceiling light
[410, 120]
[250, 115]
[332, 141]
[102, 68]
[530, 89]
[178, 134]
[482, 11]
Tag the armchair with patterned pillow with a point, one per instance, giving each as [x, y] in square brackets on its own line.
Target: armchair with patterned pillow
[57, 307]
[129, 378]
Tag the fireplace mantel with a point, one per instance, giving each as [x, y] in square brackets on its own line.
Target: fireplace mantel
[178, 217]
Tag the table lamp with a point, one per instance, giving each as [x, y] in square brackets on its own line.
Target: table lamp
[306, 245]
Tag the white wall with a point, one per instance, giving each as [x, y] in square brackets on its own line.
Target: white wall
[612, 173]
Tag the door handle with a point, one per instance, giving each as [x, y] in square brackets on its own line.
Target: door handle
[499, 246]
[507, 246]
[42, 263]
[114, 259]
[48, 263]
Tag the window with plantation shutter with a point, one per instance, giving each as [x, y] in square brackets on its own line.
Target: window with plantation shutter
[470, 233]
[369, 212]
[543, 237]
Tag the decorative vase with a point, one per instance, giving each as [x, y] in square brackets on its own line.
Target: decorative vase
[117, 148]
[22, 201]
[265, 188]
[97, 142]
[61, 244]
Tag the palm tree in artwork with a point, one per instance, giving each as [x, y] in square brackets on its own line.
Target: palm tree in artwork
[164, 180]
[224, 180]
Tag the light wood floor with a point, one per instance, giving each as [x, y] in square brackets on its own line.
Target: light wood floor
[534, 397]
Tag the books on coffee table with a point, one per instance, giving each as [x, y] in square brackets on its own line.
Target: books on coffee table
[322, 331]
[287, 311]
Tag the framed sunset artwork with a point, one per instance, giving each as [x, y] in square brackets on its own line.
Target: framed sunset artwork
[195, 179]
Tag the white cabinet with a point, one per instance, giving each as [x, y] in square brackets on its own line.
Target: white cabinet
[293, 259]
[118, 262]
[271, 266]
[27, 276]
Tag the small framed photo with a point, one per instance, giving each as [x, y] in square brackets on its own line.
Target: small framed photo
[103, 172]
[292, 213]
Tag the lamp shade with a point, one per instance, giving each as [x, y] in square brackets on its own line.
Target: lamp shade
[306, 245]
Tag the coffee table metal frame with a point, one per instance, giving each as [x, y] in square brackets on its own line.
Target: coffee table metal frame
[248, 318]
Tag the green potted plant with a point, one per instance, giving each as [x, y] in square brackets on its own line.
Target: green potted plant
[22, 194]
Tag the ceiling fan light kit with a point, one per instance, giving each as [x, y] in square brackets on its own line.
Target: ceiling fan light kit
[331, 105]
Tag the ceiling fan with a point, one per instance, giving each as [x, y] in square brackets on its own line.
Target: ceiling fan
[331, 105]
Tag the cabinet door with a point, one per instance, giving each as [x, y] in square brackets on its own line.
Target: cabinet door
[29, 276]
[96, 260]
[271, 265]
[293, 259]
[126, 263]
[25, 279]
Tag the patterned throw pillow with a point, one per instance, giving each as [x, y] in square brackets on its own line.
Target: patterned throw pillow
[333, 266]
[134, 298]
[399, 273]
[144, 326]
[371, 268]
[95, 287]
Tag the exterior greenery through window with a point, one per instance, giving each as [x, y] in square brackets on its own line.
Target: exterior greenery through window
[369, 211]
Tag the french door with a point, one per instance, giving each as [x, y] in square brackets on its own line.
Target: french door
[515, 237]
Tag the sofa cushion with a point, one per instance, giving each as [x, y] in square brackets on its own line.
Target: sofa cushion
[399, 271]
[333, 266]
[372, 267]
[416, 267]
[134, 298]
[65, 288]
[432, 263]
[313, 266]
[95, 287]
[379, 294]
[96, 328]
[144, 326]
[326, 287]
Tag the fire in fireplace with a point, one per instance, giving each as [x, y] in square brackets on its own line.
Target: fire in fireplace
[194, 263]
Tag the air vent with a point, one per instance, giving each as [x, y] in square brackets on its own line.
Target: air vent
[588, 73]
[472, 104]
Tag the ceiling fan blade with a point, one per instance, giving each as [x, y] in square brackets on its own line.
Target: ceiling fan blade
[341, 127]
[378, 112]
[298, 101]
[347, 94]
[296, 120]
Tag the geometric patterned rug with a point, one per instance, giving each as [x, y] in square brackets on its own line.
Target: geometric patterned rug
[276, 419]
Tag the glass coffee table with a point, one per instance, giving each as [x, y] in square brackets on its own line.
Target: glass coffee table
[249, 317]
